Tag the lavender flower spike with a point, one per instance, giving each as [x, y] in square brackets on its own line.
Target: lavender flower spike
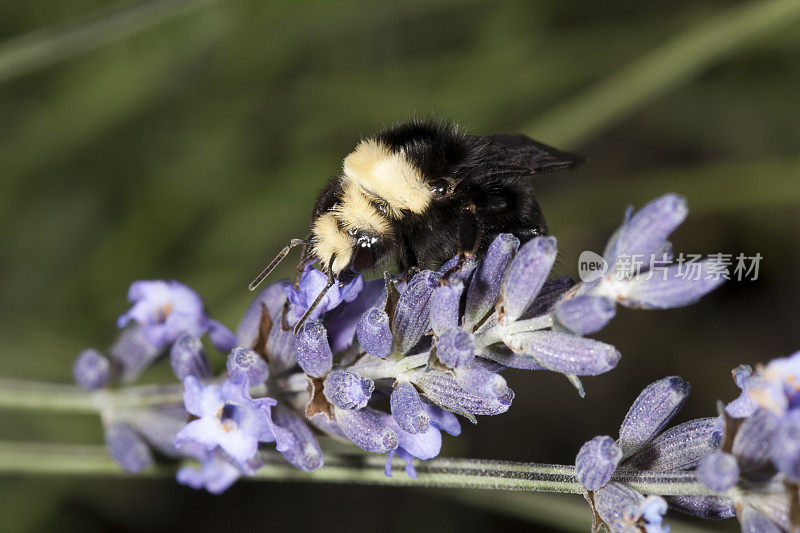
[596, 462]
[347, 390]
[525, 276]
[91, 370]
[374, 334]
[244, 362]
[312, 351]
[407, 409]
[650, 412]
[188, 358]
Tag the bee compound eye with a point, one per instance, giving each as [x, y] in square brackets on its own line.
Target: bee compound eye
[439, 187]
[363, 257]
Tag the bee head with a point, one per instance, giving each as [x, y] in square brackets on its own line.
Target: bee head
[345, 252]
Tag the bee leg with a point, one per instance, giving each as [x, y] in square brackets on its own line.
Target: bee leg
[304, 259]
[468, 239]
[317, 300]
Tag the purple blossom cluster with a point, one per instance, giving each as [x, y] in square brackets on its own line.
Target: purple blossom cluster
[748, 457]
[387, 365]
[642, 445]
[758, 462]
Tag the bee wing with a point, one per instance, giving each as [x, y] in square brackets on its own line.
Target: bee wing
[526, 156]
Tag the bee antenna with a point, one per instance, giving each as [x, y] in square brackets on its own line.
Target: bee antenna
[317, 300]
[271, 266]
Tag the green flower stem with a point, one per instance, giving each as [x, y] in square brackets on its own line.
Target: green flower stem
[661, 70]
[36, 396]
[50, 459]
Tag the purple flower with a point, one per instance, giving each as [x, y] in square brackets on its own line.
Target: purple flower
[596, 462]
[244, 362]
[228, 418]
[444, 306]
[455, 348]
[652, 410]
[374, 333]
[167, 310]
[422, 445]
[188, 358]
[312, 283]
[412, 312]
[128, 449]
[407, 409]
[644, 232]
[680, 447]
[776, 386]
[585, 314]
[262, 323]
[304, 452]
[311, 349]
[565, 353]
[675, 287]
[91, 370]
[366, 429]
[133, 353]
[342, 321]
[526, 275]
[718, 471]
[347, 390]
[624, 510]
[785, 451]
[216, 473]
[488, 278]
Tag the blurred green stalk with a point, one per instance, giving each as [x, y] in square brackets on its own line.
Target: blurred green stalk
[41, 48]
[660, 70]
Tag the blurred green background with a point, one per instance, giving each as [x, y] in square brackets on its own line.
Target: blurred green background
[187, 140]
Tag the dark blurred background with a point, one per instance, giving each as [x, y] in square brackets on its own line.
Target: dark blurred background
[187, 140]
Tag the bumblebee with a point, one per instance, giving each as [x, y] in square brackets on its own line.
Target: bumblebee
[421, 192]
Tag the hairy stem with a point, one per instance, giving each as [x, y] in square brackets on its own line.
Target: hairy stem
[50, 459]
[36, 396]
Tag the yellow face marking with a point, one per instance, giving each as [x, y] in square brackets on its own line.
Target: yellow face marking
[355, 212]
[331, 243]
[390, 176]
